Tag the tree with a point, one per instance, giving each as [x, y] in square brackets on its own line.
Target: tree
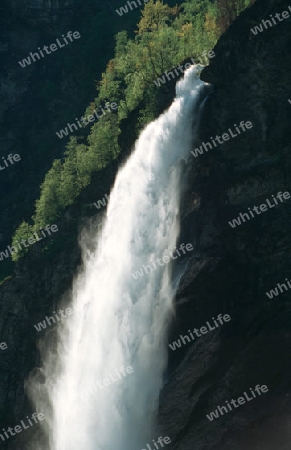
[103, 142]
[210, 25]
[48, 206]
[156, 15]
[121, 40]
[24, 231]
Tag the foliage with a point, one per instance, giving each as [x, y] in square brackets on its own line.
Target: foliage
[155, 16]
[24, 231]
[165, 36]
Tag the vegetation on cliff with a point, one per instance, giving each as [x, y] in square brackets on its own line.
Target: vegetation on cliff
[165, 36]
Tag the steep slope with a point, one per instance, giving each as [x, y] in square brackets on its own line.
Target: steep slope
[39, 99]
[235, 267]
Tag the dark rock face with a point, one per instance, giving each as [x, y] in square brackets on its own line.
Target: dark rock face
[38, 100]
[237, 266]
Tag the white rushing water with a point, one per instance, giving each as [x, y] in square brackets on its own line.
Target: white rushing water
[118, 320]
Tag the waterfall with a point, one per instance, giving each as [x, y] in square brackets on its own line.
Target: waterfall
[118, 327]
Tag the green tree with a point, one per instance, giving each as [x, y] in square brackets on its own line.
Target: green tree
[24, 231]
[48, 206]
[103, 142]
[156, 15]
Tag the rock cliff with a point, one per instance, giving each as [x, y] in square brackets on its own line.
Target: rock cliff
[40, 99]
[250, 76]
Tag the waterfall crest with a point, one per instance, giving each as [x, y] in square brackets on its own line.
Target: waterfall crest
[119, 321]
